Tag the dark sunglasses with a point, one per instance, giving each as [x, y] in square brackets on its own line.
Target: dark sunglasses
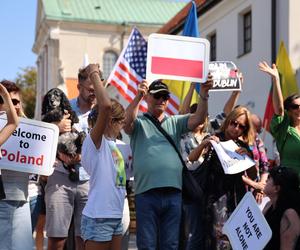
[15, 101]
[238, 125]
[294, 106]
[157, 96]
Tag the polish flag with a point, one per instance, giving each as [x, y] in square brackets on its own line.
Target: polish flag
[177, 58]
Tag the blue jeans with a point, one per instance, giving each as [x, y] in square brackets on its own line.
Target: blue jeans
[15, 226]
[158, 215]
[193, 223]
[35, 209]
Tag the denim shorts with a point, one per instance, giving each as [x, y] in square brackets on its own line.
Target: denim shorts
[100, 229]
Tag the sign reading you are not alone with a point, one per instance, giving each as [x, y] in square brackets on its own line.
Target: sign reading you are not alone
[31, 148]
[247, 228]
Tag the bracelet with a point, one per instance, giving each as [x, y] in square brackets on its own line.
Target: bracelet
[204, 98]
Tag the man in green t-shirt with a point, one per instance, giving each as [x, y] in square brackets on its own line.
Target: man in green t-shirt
[157, 167]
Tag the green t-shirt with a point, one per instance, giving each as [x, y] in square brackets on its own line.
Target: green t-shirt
[155, 162]
[287, 141]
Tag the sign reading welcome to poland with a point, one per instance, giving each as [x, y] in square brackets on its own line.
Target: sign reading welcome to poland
[247, 227]
[31, 148]
[177, 58]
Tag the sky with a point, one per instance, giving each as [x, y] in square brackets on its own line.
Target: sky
[17, 27]
[17, 35]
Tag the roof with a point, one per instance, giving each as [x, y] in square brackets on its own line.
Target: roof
[175, 25]
[152, 12]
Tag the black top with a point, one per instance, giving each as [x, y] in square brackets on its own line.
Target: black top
[2, 194]
[273, 217]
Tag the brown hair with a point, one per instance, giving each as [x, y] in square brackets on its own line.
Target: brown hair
[117, 112]
[12, 87]
[248, 134]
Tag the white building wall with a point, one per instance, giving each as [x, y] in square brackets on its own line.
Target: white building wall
[294, 36]
[224, 20]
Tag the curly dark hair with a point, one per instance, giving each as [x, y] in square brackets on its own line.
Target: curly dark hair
[55, 104]
[289, 193]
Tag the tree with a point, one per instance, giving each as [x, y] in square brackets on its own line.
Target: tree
[27, 80]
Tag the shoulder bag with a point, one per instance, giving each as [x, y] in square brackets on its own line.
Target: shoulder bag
[191, 190]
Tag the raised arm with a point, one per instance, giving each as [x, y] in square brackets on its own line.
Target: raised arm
[103, 102]
[12, 117]
[231, 102]
[133, 108]
[202, 109]
[277, 94]
[185, 108]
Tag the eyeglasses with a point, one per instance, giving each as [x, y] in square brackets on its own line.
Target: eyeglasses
[238, 125]
[164, 96]
[15, 101]
[294, 106]
[90, 90]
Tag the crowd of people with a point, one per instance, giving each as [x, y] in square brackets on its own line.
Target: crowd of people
[83, 204]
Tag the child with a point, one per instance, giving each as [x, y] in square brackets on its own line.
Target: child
[101, 225]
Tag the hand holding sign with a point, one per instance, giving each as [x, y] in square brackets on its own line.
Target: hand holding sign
[247, 227]
[31, 148]
[225, 76]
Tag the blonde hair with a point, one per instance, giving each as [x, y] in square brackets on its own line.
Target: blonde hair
[117, 112]
[248, 134]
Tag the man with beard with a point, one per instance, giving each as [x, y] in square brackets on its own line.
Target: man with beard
[84, 102]
[66, 197]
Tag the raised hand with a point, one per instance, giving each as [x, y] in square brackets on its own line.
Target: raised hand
[92, 68]
[142, 88]
[208, 84]
[272, 71]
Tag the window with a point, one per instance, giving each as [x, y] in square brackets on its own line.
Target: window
[109, 60]
[247, 32]
[213, 46]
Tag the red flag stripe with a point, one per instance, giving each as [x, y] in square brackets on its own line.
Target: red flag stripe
[177, 67]
[132, 78]
[125, 80]
[143, 108]
[174, 102]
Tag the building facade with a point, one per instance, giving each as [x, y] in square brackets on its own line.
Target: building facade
[67, 31]
[246, 32]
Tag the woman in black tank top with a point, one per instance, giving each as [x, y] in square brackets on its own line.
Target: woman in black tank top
[283, 210]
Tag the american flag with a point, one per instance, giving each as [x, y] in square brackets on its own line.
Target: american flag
[130, 70]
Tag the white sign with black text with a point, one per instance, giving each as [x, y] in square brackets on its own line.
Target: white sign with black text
[247, 227]
[225, 77]
[31, 148]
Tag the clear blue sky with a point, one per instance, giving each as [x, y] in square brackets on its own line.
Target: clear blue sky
[17, 24]
[17, 27]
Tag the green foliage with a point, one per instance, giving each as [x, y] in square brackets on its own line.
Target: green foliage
[27, 80]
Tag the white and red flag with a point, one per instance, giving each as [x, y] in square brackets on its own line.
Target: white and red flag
[177, 58]
[130, 70]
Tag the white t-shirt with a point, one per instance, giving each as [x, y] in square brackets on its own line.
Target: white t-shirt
[106, 198]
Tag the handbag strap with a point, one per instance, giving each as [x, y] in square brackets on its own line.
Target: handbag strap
[157, 124]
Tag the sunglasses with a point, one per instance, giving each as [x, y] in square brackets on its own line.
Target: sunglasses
[15, 101]
[294, 106]
[238, 125]
[157, 96]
